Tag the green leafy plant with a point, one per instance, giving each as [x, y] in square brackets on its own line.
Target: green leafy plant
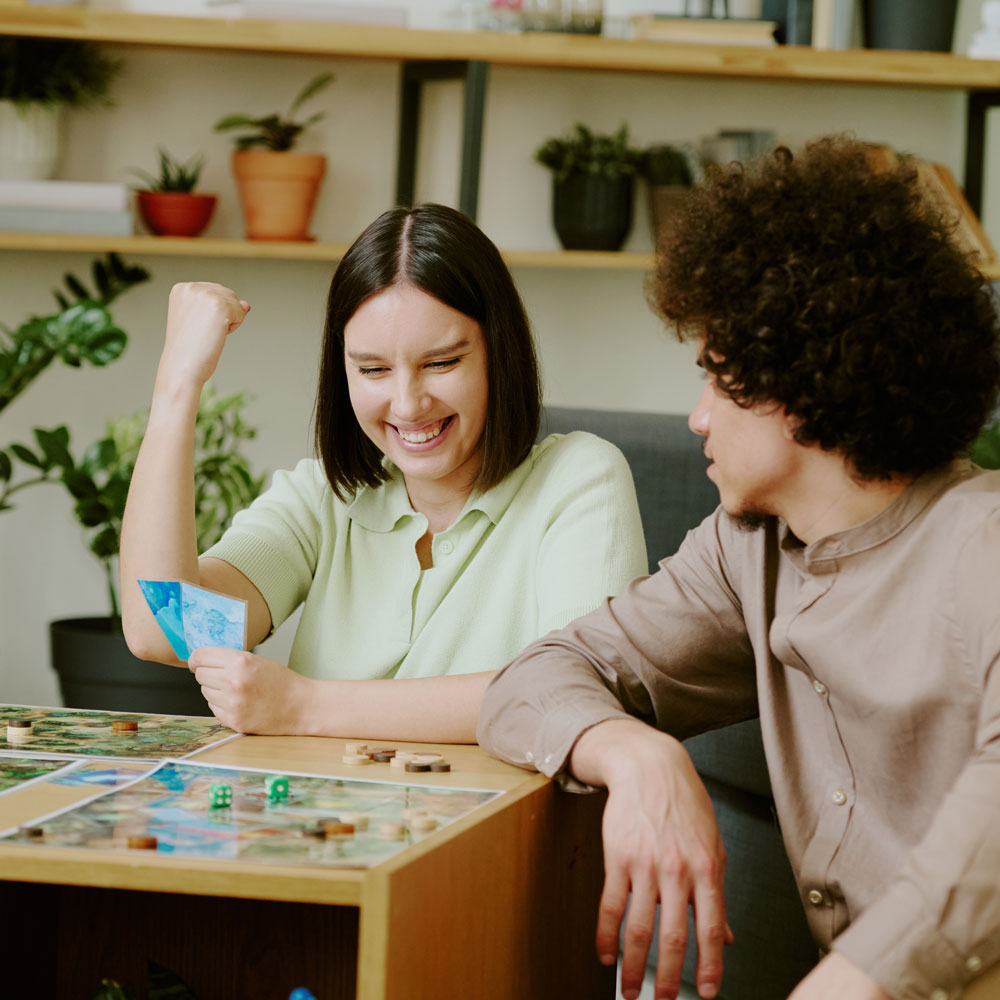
[174, 176]
[587, 152]
[985, 450]
[276, 132]
[55, 71]
[99, 481]
[663, 165]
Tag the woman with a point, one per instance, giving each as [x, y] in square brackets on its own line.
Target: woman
[429, 542]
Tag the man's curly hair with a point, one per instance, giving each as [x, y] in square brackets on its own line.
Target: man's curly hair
[837, 291]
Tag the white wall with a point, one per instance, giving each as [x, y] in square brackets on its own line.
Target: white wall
[600, 345]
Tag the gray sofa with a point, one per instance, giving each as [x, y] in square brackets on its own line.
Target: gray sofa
[773, 949]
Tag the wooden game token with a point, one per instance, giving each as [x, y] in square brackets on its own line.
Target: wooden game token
[142, 843]
[355, 747]
[412, 812]
[382, 758]
[356, 759]
[318, 830]
[390, 751]
[440, 765]
[19, 730]
[426, 758]
[358, 820]
[404, 755]
[34, 832]
[416, 765]
[423, 824]
[337, 830]
[398, 761]
[124, 726]
[391, 831]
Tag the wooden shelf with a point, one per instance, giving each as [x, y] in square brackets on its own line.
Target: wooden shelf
[537, 49]
[173, 246]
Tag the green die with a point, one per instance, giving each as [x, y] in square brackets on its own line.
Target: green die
[277, 787]
[220, 796]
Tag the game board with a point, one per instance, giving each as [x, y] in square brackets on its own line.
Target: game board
[100, 774]
[16, 771]
[172, 804]
[74, 733]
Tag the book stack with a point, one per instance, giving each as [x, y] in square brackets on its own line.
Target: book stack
[704, 30]
[87, 207]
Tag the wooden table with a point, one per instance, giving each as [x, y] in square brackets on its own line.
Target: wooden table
[501, 903]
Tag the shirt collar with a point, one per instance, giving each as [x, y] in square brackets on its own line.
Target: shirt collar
[381, 508]
[823, 555]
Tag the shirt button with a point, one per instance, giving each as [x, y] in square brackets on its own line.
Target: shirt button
[819, 687]
[839, 798]
[446, 547]
[815, 897]
[938, 994]
[973, 963]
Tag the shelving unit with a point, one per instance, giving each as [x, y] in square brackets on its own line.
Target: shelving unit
[430, 55]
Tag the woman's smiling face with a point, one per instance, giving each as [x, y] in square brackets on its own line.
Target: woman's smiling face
[416, 372]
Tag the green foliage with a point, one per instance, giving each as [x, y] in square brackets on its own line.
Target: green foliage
[82, 331]
[985, 450]
[663, 165]
[99, 481]
[174, 176]
[276, 132]
[586, 152]
[55, 71]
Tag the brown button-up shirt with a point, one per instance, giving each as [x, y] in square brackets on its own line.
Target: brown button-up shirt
[873, 659]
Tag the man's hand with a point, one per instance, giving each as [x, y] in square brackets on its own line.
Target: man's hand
[661, 843]
[251, 693]
[838, 978]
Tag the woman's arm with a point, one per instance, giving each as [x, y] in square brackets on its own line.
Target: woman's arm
[253, 694]
[158, 530]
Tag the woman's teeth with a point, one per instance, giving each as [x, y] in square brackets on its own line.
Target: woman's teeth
[419, 437]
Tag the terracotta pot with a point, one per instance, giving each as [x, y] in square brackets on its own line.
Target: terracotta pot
[172, 213]
[278, 192]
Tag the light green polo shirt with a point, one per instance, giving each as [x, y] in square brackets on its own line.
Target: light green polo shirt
[546, 545]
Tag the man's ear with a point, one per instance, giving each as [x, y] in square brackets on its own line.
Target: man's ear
[791, 425]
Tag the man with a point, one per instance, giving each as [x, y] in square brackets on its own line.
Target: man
[845, 591]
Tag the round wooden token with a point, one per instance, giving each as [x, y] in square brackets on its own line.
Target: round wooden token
[423, 824]
[440, 765]
[124, 725]
[398, 761]
[336, 830]
[19, 723]
[382, 758]
[390, 751]
[355, 747]
[34, 832]
[426, 758]
[358, 820]
[416, 765]
[356, 759]
[142, 843]
[391, 831]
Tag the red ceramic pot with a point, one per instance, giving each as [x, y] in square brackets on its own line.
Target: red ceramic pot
[171, 213]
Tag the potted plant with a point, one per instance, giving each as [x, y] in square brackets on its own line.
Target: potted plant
[669, 171]
[168, 204]
[38, 78]
[277, 186]
[90, 657]
[592, 183]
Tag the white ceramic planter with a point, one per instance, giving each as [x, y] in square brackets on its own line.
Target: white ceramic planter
[29, 141]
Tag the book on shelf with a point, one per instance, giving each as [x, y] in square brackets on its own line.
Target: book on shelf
[90, 195]
[79, 221]
[704, 30]
[939, 186]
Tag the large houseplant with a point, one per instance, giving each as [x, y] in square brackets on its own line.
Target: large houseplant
[277, 185]
[592, 183]
[95, 667]
[168, 202]
[39, 77]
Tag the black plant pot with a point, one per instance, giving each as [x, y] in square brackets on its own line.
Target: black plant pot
[591, 212]
[923, 25]
[96, 670]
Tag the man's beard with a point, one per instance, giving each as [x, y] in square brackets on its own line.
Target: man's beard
[749, 520]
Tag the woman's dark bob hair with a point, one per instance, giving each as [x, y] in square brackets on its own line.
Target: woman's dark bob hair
[443, 253]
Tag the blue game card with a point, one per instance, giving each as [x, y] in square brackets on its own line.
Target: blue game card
[192, 616]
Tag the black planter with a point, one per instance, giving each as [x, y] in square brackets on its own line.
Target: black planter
[592, 213]
[96, 670]
[923, 25]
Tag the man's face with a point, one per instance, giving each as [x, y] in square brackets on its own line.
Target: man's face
[754, 455]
